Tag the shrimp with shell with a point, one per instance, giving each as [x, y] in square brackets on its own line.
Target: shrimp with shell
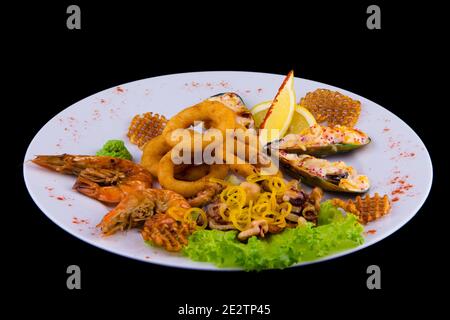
[127, 184]
[136, 207]
[103, 178]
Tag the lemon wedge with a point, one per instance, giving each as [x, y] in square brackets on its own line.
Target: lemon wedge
[259, 112]
[279, 115]
[301, 120]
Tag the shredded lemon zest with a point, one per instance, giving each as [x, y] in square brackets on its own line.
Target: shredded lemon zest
[265, 206]
[191, 216]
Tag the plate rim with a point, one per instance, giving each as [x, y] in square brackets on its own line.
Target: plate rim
[208, 266]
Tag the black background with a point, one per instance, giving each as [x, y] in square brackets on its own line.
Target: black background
[55, 67]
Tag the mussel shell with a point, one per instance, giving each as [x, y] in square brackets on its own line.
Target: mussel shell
[241, 101]
[326, 150]
[236, 103]
[314, 181]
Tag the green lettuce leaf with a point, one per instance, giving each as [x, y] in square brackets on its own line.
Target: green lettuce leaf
[335, 232]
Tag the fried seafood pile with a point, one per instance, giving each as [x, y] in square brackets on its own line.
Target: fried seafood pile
[193, 180]
[196, 193]
[261, 205]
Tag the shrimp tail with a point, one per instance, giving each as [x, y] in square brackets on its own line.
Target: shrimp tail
[132, 211]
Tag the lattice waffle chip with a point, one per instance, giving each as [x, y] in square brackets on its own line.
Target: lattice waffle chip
[166, 232]
[332, 107]
[366, 209]
[145, 127]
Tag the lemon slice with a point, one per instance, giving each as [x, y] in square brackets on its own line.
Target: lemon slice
[301, 120]
[279, 115]
[259, 112]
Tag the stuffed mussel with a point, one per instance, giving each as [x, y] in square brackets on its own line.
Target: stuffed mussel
[321, 141]
[331, 176]
[234, 102]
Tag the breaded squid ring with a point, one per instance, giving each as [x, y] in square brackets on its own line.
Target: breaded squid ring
[242, 167]
[186, 188]
[191, 172]
[152, 153]
[243, 170]
[214, 113]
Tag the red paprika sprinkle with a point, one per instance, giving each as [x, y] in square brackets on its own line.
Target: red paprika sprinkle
[407, 154]
[224, 84]
[401, 186]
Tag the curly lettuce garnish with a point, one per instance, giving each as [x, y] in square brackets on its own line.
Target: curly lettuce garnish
[335, 232]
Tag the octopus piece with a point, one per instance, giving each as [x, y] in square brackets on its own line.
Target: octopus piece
[206, 196]
[294, 195]
[215, 220]
[311, 208]
[257, 228]
[252, 190]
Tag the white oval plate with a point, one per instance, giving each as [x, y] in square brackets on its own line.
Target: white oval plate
[396, 161]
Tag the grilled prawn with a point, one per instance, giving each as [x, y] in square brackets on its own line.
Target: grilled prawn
[138, 206]
[100, 177]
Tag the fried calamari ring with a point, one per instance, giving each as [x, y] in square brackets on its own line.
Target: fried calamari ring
[152, 153]
[186, 188]
[214, 113]
[191, 172]
[248, 151]
[246, 167]
[243, 170]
